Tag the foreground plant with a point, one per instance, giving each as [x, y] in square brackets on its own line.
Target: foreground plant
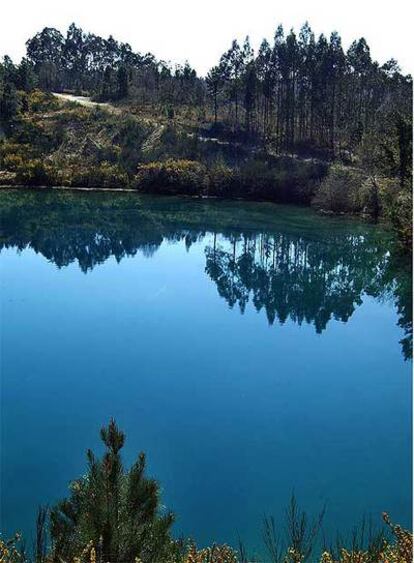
[113, 510]
[11, 550]
[397, 550]
[114, 515]
[214, 554]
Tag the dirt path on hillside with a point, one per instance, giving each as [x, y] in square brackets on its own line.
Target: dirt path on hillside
[86, 101]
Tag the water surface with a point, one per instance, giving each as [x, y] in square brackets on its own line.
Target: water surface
[250, 350]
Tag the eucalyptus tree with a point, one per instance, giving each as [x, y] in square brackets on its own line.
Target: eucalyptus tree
[45, 51]
[214, 82]
[122, 82]
[265, 74]
[232, 65]
[300, 93]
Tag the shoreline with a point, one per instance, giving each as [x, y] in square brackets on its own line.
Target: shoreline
[324, 212]
[71, 188]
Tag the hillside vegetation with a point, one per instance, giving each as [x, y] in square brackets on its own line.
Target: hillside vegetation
[299, 121]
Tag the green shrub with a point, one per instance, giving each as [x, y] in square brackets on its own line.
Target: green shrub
[42, 101]
[284, 181]
[114, 510]
[34, 172]
[401, 215]
[172, 177]
[223, 181]
[12, 162]
[10, 150]
[74, 113]
[102, 175]
[344, 190]
[107, 175]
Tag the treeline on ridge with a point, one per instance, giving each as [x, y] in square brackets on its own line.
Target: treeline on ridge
[299, 92]
[300, 121]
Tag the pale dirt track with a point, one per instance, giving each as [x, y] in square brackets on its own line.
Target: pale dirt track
[85, 101]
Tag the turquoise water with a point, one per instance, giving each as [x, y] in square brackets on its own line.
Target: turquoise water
[250, 349]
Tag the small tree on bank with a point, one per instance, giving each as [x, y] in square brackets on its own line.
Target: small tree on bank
[115, 510]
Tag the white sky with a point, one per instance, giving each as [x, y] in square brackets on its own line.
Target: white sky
[201, 31]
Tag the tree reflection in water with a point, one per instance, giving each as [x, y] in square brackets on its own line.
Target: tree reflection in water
[286, 261]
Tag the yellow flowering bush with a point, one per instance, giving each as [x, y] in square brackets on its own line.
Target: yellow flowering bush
[214, 554]
[9, 552]
[398, 551]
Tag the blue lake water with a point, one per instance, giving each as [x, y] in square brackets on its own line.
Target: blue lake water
[250, 350]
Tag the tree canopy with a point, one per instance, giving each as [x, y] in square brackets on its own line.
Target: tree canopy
[300, 92]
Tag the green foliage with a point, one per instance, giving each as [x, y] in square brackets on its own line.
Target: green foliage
[214, 83]
[122, 80]
[15, 82]
[344, 190]
[223, 180]
[129, 134]
[351, 190]
[302, 95]
[401, 215]
[100, 175]
[286, 181]
[42, 101]
[302, 91]
[214, 554]
[9, 101]
[32, 171]
[114, 515]
[12, 551]
[115, 509]
[170, 142]
[172, 177]
[386, 149]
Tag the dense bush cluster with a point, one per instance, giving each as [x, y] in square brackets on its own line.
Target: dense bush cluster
[286, 180]
[401, 215]
[344, 190]
[172, 177]
[28, 171]
[351, 190]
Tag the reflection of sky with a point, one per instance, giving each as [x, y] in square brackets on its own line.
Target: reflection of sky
[233, 413]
